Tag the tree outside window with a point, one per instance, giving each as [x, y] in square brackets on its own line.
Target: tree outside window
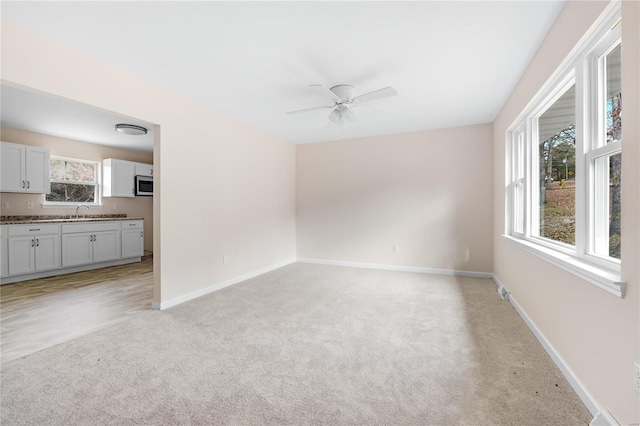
[73, 181]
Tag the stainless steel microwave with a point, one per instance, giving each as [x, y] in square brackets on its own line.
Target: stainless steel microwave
[144, 186]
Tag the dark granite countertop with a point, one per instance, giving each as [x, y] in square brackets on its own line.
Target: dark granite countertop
[25, 220]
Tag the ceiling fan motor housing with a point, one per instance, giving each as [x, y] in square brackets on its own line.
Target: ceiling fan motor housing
[345, 92]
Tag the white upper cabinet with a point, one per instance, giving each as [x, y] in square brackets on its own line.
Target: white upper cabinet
[13, 167]
[118, 178]
[144, 169]
[24, 169]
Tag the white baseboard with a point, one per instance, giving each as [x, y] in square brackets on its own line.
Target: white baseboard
[583, 393]
[218, 286]
[454, 272]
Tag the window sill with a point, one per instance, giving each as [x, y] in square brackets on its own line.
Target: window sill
[607, 280]
[54, 205]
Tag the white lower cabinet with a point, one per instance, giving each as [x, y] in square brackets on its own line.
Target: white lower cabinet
[38, 250]
[4, 254]
[22, 255]
[132, 239]
[77, 249]
[85, 243]
[33, 248]
[47, 252]
[106, 246]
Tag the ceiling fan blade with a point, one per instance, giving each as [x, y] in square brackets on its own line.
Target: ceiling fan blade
[325, 92]
[376, 94]
[310, 109]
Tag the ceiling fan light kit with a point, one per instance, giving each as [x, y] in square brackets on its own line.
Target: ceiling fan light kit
[344, 101]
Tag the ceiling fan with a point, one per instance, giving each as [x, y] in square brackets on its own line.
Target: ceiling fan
[344, 101]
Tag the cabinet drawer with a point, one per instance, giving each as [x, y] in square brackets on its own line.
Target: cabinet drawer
[22, 230]
[74, 228]
[132, 224]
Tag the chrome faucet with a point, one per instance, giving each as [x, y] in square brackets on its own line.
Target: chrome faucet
[77, 208]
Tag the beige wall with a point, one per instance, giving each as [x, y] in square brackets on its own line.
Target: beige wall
[223, 188]
[132, 207]
[595, 332]
[358, 198]
[428, 192]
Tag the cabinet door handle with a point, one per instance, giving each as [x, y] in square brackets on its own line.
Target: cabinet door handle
[93, 238]
[33, 242]
[141, 234]
[37, 242]
[28, 184]
[23, 184]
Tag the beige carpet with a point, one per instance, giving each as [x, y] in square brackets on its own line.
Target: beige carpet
[306, 344]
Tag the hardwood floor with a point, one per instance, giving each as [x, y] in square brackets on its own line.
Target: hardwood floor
[40, 313]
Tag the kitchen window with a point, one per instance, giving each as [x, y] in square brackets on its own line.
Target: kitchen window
[73, 182]
[564, 161]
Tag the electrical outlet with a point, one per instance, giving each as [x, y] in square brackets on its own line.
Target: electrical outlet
[5, 204]
[29, 205]
[396, 248]
[636, 377]
[225, 260]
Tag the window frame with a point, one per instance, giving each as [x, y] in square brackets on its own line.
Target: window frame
[584, 67]
[98, 188]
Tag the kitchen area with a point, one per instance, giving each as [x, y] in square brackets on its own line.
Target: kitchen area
[76, 218]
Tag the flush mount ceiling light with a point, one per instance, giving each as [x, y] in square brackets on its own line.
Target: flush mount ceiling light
[131, 129]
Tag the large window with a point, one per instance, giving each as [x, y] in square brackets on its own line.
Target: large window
[564, 164]
[73, 181]
[556, 128]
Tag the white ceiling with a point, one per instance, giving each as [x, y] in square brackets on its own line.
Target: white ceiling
[452, 63]
[51, 115]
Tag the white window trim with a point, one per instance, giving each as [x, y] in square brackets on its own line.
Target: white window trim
[602, 271]
[61, 205]
[97, 204]
[600, 277]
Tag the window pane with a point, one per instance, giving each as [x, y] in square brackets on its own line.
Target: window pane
[520, 158]
[608, 205]
[557, 139]
[68, 192]
[517, 182]
[614, 96]
[518, 208]
[615, 212]
[62, 170]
